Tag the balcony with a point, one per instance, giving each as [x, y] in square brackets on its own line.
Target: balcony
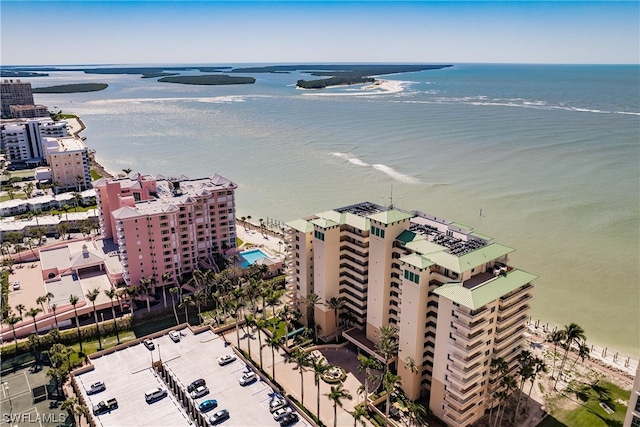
[464, 372]
[525, 289]
[507, 329]
[505, 309]
[468, 340]
[471, 317]
[471, 327]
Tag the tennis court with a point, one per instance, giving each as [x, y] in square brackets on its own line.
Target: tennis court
[27, 398]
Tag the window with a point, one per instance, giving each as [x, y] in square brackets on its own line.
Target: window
[318, 235]
[638, 404]
[635, 421]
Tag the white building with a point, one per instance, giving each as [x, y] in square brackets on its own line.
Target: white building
[69, 161]
[22, 140]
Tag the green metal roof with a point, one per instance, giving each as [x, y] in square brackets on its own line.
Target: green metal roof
[485, 292]
[300, 225]
[406, 236]
[462, 263]
[331, 215]
[324, 222]
[417, 261]
[390, 216]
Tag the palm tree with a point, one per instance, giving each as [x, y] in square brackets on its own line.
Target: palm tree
[127, 171]
[166, 277]
[40, 300]
[390, 382]
[20, 308]
[335, 304]
[337, 394]
[132, 292]
[81, 411]
[572, 334]
[48, 297]
[497, 366]
[79, 182]
[68, 406]
[310, 303]
[511, 384]
[358, 413]
[28, 189]
[73, 300]
[525, 372]
[145, 289]
[92, 296]
[556, 337]
[12, 320]
[302, 359]
[260, 324]
[417, 413]
[111, 293]
[250, 323]
[187, 300]
[539, 366]
[583, 353]
[319, 366]
[367, 364]
[387, 346]
[173, 292]
[33, 312]
[274, 342]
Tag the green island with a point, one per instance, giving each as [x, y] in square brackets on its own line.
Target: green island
[217, 79]
[72, 88]
[340, 74]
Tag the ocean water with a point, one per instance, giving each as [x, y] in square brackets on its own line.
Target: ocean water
[550, 154]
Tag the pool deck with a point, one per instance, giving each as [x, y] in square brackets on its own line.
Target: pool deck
[255, 238]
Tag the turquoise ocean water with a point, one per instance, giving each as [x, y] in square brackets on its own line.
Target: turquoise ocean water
[549, 153]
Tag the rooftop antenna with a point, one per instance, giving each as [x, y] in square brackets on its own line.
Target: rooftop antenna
[391, 198]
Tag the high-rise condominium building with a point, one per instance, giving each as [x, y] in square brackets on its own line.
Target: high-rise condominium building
[23, 140]
[166, 227]
[452, 294]
[69, 161]
[14, 92]
[633, 410]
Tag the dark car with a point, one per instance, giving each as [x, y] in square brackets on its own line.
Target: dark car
[289, 419]
[195, 384]
[105, 406]
[219, 416]
[207, 405]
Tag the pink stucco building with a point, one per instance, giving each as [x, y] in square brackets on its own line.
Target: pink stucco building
[164, 225]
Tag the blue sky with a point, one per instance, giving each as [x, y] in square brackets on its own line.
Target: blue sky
[196, 32]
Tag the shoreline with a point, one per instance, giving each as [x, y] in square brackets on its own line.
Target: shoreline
[76, 129]
[604, 357]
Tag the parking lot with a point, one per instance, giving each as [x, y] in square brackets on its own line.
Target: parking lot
[128, 375]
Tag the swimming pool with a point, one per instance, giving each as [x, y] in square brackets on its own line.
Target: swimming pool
[251, 256]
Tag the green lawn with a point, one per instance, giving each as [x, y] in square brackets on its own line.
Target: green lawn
[589, 412]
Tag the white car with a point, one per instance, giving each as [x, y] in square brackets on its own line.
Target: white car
[276, 404]
[16, 285]
[277, 415]
[175, 336]
[248, 378]
[226, 359]
[200, 391]
[96, 387]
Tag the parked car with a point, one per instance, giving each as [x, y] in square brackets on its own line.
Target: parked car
[200, 391]
[175, 336]
[289, 419]
[16, 285]
[219, 416]
[155, 394]
[277, 415]
[96, 387]
[226, 359]
[207, 405]
[149, 344]
[248, 378]
[105, 406]
[195, 384]
[276, 404]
